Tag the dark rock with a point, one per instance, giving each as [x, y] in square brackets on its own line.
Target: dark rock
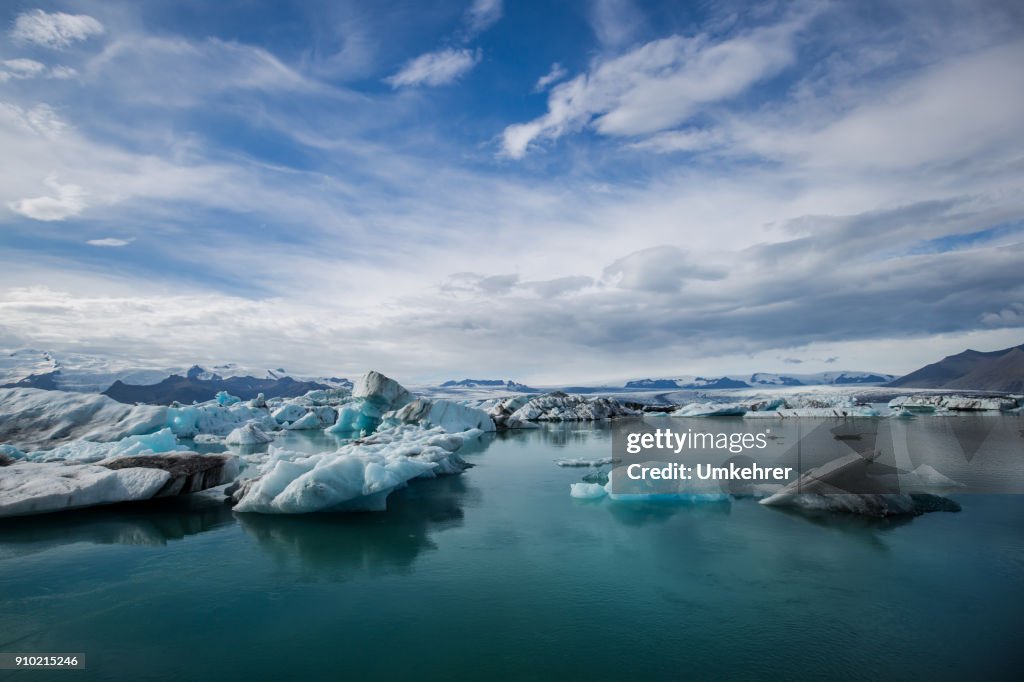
[190, 472]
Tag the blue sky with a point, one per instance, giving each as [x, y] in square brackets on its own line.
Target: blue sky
[570, 191]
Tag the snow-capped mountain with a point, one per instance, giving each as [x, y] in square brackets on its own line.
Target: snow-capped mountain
[84, 373]
[508, 385]
[838, 378]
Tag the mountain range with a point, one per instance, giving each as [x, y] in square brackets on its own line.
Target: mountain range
[1000, 370]
[758, 379]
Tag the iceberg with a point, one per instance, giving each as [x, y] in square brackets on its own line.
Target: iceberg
[710, 410]
[288, 413]
[359, 476]
[827, 488]
[587, 491]
[224, 399]
[210, 417]
[953, 403]
[33, 418]
[87, 451]
[381, 391]
[621, 488]
[450, 416]
[306, 422]
[36, 488]
[501, 411]
[581, 462]
[248, 434]
[373, 396]
[561, 407]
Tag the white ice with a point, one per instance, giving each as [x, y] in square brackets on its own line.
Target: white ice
[587, 491]
[32, 488]
[87, 451]
[248, 434]
[358, 476]
[450, 416]
[33, 418]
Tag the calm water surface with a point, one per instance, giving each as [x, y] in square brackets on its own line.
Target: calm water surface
[498, 573]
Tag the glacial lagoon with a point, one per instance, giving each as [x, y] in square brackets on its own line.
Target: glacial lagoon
[499, 573]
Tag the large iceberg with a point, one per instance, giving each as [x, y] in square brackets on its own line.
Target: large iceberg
[37, 488]
[359, 476]
[373, 396]
[450, 416]
[561, 407]
[211, 417]
[33, 418]
[846, 485]
[953, 403]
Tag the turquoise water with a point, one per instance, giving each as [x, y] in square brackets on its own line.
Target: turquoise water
[499, 574]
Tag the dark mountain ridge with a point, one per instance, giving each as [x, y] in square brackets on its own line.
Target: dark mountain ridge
[1000, 371]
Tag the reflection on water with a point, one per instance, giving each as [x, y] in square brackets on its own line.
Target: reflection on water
[498, 573]
[645, 513]
[140, 523]
[334, 546]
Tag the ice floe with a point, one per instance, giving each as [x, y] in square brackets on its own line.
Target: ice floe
[587, 491]
[953, 403]
[359, 476]
[583, 462]
[37, 488]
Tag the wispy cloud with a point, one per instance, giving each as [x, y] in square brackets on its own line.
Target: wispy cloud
[658, 85]
[57, 30]
[557, 73]
[615, 22]
[67, 200]
[435, 68]
[483, 14]
[109, 242]
[22, 68]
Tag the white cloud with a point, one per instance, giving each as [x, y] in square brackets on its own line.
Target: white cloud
[172, 71]
[109, 241]
[483, 14]
[21, 68]
[615, 22]
[57, 30]
[658, 85]
[681, 141]
[62, 72]
[69, 201]
[557, 73]
[435, 68]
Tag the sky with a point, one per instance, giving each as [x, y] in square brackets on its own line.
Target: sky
[580, 191]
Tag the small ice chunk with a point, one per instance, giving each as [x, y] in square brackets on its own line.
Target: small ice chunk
[583, 462]
[306, 422]
[587, 491]
[248, 434]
